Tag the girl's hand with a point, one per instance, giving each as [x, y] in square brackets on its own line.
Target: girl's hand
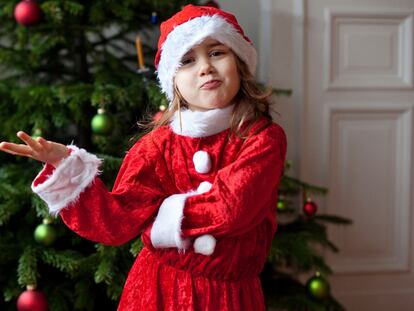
[39, 149]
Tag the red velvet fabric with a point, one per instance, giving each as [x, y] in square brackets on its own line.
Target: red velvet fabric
[239, 211]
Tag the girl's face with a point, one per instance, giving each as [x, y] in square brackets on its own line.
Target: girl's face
[209, 77]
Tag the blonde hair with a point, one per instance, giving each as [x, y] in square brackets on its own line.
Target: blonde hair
[251, 103]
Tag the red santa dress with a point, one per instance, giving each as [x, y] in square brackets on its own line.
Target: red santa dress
[204, 203]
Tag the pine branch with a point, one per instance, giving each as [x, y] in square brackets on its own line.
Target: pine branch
[136, 247]
[333, 219]
[66, 261]
[27, 272]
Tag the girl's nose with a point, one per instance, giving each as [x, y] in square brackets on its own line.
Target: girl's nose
[206, 67]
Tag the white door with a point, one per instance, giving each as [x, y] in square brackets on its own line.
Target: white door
[357, 139]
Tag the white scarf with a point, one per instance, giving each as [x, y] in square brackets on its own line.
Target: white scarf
[201, 123]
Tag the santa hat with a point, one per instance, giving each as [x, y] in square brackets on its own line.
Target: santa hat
[190, 27]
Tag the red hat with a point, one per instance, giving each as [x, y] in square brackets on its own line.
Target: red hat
[190, 27]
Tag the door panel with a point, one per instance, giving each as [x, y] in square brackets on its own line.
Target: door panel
[357, 138]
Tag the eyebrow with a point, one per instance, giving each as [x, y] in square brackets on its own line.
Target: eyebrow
[214, 44]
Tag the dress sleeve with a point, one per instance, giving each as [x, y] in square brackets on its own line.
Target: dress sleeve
[243, 193]
[77, 194]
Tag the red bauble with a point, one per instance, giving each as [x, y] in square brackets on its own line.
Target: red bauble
[28, 13]
[32, 300]
[157, 116]
[310, 208]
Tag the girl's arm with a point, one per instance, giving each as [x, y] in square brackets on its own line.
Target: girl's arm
[115, 217]
[243, 193]
[70, 186]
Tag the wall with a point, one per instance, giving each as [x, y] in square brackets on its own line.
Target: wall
[275, 31]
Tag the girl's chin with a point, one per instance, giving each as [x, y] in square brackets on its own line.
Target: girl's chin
[207, 107]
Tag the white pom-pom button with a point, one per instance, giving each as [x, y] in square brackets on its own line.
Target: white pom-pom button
[204, 187]
[202, 162]
[205, 244]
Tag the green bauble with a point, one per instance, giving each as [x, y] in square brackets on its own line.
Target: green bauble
[281, 205]
[318, 287]
[37, 133]
[102, 123]
[45, 234]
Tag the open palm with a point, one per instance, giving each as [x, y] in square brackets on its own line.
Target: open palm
[39, 149]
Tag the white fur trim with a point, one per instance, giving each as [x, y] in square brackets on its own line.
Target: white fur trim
[185, 36]
[201, 123]
[204, 187]
[68, 180]
[205, 244]
[166, 230]
[202, 162]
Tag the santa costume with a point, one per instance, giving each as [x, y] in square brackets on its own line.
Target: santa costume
[202, 198]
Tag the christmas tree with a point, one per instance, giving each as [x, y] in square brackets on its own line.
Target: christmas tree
[70, 74]
[296, 250]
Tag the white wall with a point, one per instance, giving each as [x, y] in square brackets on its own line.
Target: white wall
[273, 27]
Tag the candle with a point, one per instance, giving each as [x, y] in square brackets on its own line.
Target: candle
[139, 53]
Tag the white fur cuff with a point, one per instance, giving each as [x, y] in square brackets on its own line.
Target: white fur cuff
[166, 230]
[68, 180]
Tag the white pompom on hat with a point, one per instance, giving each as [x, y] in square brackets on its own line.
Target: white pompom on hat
[190, 27]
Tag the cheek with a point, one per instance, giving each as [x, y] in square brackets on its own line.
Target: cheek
[182, 83]
[234, 81]
[185, 85]
[184, 76]
[232, 73]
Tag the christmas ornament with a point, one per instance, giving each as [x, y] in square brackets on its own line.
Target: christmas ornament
[32, 300]
[154, 18]
[37, 133]
[28, 13]
[45, 233]
[310, 208]
[102, 123]
[158, 115]
[281, 205]
[318, 287]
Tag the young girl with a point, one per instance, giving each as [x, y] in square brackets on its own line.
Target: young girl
[201, 188]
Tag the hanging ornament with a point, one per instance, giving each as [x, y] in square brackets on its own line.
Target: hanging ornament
[213, 4]
[310, 208]
[318, 287]
[37, 133]
[32, 300]
[154, 18]
[281, 204]
[28, 13]
[102, 123]
[45, 233]
[158, 115]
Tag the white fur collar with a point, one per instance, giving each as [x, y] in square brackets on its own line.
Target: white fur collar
[201, 123]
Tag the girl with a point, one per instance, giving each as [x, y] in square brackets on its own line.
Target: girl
[200, 188]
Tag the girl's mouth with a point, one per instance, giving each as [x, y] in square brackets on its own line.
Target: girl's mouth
[210, 85]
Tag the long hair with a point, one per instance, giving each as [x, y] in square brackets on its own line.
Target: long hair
[251, 103]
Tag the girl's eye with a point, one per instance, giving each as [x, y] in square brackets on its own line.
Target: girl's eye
[187, 61]
[216, 53]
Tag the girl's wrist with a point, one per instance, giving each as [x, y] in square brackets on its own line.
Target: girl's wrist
[66, 152]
